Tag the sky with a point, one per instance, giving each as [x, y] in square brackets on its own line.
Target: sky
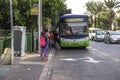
[78, 6]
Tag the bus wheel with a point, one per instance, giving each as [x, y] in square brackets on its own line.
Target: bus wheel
[84, 47]
[61, 47]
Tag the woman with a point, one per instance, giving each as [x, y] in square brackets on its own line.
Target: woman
[43, 45]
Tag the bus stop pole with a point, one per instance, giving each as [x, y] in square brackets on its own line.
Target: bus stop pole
[39, 23]
[12, 33]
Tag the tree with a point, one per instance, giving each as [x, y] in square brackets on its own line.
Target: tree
[99, 8]
[111, 4]
[53, 9]
[95, 8]
[4, 14]
[22, 15]
[104, 20]
[89, 9]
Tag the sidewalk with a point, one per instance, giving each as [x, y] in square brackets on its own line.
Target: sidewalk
[29, 67]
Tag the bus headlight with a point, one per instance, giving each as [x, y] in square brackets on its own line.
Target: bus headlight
[62, 39]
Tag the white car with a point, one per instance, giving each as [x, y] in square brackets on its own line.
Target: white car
[92, 33]
[100, 35]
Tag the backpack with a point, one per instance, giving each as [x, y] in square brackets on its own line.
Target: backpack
[42, 41]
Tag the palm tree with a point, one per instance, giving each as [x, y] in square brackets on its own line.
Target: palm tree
[100, 7]
[111, 4]
[95, 8]
[118, 11]
[94, 11]
[90, 10]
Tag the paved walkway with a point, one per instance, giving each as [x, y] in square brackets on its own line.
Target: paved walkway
[29, 67]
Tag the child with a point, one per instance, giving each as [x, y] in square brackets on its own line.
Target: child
[43, 45]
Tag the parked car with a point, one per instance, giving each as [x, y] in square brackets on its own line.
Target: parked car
[99, 36]
[112, 37]
[92, 32]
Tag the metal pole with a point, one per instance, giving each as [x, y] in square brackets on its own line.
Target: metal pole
[12, 33]
[39, 23]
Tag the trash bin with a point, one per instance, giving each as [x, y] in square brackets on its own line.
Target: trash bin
[7, 43]
[29, 42]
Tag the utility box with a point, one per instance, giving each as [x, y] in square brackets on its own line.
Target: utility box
[19, 40]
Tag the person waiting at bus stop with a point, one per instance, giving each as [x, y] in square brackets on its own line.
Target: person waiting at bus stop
[43, 46]
[51, 38]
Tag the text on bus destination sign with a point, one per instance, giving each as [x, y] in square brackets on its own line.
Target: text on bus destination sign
[74, 20]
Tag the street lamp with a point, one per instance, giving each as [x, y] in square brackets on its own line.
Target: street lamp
[12, 33]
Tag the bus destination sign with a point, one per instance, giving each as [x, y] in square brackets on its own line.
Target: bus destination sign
[74, 20]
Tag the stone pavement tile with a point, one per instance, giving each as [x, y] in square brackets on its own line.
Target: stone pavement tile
[25, 68]
[25, 72]
[4, 70]
[48, 66]
[28, 67]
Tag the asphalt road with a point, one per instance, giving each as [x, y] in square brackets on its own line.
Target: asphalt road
[99, 61]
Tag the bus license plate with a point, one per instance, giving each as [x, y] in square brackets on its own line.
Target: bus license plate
[75, 44]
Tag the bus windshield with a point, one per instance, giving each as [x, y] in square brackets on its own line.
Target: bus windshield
[74, 29]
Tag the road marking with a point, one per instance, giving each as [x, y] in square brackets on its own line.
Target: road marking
[100, 52]
[69, 59]
[103, 53]
[90, 60]
[115, 59]
[85, 59]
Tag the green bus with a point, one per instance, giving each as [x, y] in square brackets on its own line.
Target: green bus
[73, 31]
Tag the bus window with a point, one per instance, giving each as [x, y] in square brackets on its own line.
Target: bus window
[74, 30]
[79, 30]
[66, 30]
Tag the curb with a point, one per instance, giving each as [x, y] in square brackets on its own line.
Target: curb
[45, 75]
